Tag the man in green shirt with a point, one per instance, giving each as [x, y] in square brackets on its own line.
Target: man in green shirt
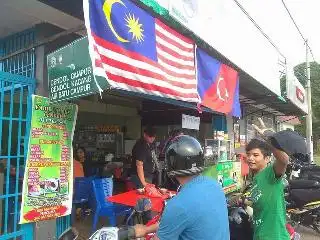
[267, 192]
[269, 216]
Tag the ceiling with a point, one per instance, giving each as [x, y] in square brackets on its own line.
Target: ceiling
[18, 15]
[12, 20]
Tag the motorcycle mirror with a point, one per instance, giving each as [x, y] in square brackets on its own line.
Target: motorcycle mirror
[143, 205]
[69, 234]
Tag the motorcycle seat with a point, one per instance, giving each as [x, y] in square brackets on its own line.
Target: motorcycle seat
[311, 167]
[315, 177]
[304, 196]
[304, 184]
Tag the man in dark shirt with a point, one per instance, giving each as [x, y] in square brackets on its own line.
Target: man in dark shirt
[143, 159]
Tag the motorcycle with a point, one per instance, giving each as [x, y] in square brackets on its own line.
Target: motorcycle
[303, 197]
[300, 169]
[240, 221]
[127, 232]
[69, 234]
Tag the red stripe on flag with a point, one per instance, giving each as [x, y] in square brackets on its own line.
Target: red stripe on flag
[173, 32]
[98, 63]
[177, 75]
[117, 49]
[173, 53]
[173, 42]
[143, 72]
[114, 48]
[149, 86]
[175, 64]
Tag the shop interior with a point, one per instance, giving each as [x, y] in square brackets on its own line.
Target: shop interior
[108, 127]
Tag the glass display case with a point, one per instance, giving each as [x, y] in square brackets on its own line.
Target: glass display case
[221, 148]
[225, 170]
[100, 141]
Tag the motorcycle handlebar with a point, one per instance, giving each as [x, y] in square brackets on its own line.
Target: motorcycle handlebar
[126, 233]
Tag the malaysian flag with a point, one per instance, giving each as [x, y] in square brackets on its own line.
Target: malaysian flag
[136, 52]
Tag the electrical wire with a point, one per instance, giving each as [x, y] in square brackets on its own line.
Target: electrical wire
[296, 25]
[259, 28]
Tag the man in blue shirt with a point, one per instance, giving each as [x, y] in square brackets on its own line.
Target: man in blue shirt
[199, 211]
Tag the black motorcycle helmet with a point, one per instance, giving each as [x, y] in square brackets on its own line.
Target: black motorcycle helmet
[184, 157]
[291, 143]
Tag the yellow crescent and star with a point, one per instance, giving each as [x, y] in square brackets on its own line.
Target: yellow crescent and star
[132, 22]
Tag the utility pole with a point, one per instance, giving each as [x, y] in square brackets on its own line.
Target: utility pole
[309, 116]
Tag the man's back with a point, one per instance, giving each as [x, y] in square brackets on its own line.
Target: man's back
[198, 212]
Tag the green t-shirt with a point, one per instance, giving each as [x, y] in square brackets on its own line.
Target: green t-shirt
[269, 211]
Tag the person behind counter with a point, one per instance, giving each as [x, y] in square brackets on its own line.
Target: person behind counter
[80, 155]
[77, 168]
[143, 163]
[77, 172]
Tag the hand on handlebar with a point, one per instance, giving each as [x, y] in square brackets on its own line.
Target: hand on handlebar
[234, 200]
[140, 230]
[143, 230]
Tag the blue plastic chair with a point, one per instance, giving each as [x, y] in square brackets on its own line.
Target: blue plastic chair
[103, 189]
[82, 190]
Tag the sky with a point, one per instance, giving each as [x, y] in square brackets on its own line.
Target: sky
[274, 20]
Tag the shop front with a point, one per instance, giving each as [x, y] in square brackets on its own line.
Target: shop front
[117, 97]
[110, 122]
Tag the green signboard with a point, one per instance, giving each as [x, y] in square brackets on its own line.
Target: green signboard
[70, 73]
[228, 174]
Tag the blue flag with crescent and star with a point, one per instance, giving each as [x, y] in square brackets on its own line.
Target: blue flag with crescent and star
[123, 23]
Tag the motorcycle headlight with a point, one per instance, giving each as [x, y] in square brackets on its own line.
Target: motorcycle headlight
[105, 234]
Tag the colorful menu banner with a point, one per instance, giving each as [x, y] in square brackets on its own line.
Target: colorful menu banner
[48, 181]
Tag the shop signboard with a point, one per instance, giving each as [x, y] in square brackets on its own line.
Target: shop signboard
[48, 181]
[296, 93]
[70, 72]
[190, 122]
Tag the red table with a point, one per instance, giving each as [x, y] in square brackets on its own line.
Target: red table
[130, 198]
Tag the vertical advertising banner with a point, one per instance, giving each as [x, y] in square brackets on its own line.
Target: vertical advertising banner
[48, 181]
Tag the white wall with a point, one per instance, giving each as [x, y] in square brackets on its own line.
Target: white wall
[93, 113]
